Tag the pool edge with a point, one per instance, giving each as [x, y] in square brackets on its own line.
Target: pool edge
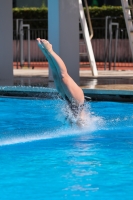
[109, 95]
[41, 92]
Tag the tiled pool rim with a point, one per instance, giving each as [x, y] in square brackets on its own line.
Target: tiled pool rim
[42, 92]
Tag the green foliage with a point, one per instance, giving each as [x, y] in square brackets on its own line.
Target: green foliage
[94, 3]
[102, 12]
[43, 4]
[95, 12]
[30, 14]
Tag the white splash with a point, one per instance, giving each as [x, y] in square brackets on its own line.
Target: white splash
[92, 123]
[65, 132]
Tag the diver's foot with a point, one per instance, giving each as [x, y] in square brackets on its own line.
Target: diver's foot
[44, 44]
[41, 47]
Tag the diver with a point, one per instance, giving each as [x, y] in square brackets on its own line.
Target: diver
[65, 85]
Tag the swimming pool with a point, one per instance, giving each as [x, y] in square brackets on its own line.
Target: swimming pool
[41, 157]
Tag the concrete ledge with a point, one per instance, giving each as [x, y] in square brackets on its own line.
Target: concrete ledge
[41, 92]
[36, 92]
[109, 95]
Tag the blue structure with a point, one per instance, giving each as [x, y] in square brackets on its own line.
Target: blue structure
[63, 30]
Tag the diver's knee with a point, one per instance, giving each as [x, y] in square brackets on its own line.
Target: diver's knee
[65, 77]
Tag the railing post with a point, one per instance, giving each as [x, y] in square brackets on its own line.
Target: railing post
[20, 26]
[109, 24]
[21, 43]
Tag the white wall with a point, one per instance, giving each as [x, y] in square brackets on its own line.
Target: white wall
[6, 43]
[123, 51]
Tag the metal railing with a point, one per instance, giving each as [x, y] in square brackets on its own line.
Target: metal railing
[122, 55]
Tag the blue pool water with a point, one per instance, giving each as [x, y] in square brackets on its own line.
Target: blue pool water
[43, 158]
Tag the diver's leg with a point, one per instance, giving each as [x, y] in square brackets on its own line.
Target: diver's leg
[45, 52]
[71, 89]
[53, 68]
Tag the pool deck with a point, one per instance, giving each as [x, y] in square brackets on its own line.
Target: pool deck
[115, 85]
[108, 85]
[107, 80]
